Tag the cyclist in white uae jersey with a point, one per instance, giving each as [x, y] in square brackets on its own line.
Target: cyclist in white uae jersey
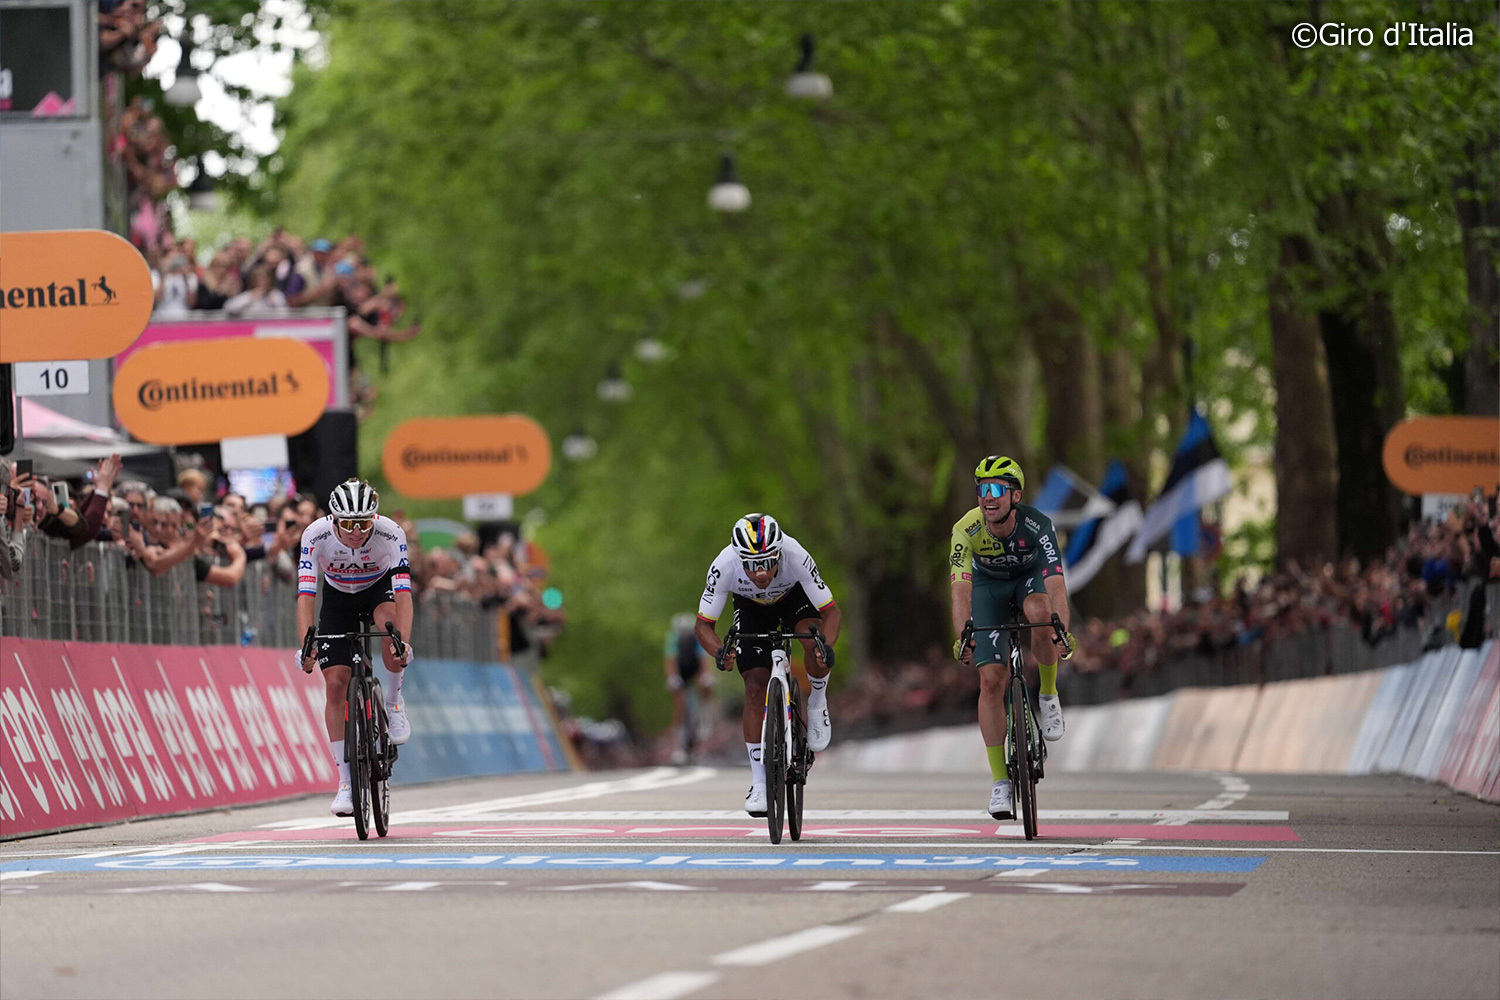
[776, 587]
[362, 556]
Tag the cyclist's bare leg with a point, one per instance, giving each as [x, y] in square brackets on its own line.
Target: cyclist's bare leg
[810, 651]
[679, 711]
[756, 680]
[994, 678]
[1038, 608]
[387, 613]
[336, 684]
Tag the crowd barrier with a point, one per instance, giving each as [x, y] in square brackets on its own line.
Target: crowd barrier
[1437, 718]
[94, 733]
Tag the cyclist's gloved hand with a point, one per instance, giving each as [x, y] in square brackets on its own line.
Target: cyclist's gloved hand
[1068, 645]
[674, 683]
[406, 653]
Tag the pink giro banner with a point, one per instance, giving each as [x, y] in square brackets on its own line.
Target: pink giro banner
[95, 733]
[325, 335]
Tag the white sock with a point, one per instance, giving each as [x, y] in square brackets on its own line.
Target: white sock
[819, 695]
[392, 687]
[757, 766]
[340, 762]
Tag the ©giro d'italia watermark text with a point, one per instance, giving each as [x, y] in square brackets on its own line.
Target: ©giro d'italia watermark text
[1336, 34]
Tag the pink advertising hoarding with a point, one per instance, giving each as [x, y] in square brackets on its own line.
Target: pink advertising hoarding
[321, 329]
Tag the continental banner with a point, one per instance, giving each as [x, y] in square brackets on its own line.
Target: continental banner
[1443, 454]
[71, 295]
[201, 391]
[446, 457]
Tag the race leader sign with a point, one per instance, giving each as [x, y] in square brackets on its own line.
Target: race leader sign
[1443, 454]
[70, 295]
[201, 391]
[449, 457]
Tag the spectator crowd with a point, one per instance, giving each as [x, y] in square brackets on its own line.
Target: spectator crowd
[220, 534]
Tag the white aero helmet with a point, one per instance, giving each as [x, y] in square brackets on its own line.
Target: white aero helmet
[756, 537]
[353, 498]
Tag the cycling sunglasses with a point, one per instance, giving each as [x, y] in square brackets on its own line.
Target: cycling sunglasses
[355, 523]
[760, 565]
[996, 490]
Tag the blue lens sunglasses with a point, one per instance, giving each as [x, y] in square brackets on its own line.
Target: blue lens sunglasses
[995, 490]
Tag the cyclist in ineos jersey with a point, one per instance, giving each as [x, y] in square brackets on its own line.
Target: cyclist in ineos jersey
[775, 584]
[362, 557]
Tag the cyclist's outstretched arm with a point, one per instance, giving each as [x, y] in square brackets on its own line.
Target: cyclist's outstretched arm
[305, 604]
[1057, 592]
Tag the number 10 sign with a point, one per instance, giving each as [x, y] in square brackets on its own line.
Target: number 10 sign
[52, 378]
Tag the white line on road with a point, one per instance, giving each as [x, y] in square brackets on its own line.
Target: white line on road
[4, 876]
[772, 949]
[926, 901]
[667, 986]
[878, 815]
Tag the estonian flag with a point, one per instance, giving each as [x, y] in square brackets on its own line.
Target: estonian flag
[1199, 477]
[1070, 501]
[1095, 541]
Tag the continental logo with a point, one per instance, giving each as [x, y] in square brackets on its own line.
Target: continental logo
[155, 394]
[436, 458]
[416, 457]
[71, 295]
[201, 391]
[1443, 454]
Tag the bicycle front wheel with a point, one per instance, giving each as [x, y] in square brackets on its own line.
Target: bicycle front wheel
[380, 770]
[356, 746]
[1022, 784]
[775, 758]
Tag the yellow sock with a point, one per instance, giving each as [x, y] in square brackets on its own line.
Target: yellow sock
[998, 770]
[1049, 678]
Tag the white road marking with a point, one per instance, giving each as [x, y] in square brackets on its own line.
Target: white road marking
[7, 876]
[927, 901]
[877, 815]
[1235, 788]
[772, 949]
[667, 986]
[653, 780]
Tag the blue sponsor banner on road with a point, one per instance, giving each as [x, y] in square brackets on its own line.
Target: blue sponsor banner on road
[649, 862]
[471, 719]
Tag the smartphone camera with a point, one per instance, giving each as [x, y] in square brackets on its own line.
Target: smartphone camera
[205, 510]
[60, 494]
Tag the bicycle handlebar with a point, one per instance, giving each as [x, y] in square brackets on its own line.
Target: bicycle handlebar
[391, 632]
[734, 636]
[1016, 628]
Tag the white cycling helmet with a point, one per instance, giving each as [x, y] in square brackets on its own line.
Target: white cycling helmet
[756, 536]
[353, 498]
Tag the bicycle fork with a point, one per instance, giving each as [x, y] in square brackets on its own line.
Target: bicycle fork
[780, 668]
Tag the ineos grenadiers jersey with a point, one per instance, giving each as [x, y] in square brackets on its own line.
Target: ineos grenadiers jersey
[352, 570]
[727, 576]
[1031, 547]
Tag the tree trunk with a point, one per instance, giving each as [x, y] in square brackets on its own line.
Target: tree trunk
[1361, 340]
[1074, 433]
[1479, 220]
[1120, 589]
[1306, 456]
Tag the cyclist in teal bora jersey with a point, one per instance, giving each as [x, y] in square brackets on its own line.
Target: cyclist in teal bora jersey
[1004, 554]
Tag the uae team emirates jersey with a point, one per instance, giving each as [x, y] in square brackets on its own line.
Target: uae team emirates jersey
[352, 570]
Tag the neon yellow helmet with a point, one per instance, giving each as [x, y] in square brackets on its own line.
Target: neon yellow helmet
[1000, 467]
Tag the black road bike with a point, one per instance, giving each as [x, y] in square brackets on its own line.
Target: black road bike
[367, 744]
[783, 733]
[1025, 750]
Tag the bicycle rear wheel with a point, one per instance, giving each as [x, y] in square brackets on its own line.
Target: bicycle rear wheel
[355, 746]
[775, 758]
[796, 779]
[1024, 790]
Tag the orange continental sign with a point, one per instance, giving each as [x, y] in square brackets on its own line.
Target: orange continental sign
[1443, 454]
[70, 295]
[198, 391]
[447, 457]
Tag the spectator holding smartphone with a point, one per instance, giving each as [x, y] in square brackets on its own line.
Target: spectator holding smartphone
[77, 519]
[15, 520]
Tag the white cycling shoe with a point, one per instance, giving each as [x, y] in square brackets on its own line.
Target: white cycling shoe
[1052, 720]
[755, 799]
[819, 727]
[343, 802]
[1000, 801]
[397, 725]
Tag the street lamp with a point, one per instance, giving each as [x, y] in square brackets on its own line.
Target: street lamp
[803, 82]
[728, 195]
[579, 447]
[184, 92]
[612, 387]
[201, 194]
